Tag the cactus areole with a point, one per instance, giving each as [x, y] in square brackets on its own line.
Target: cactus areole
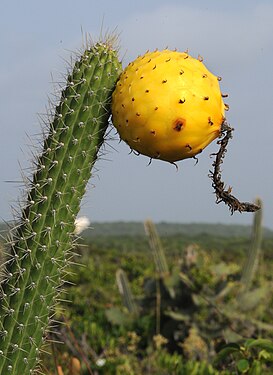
[168, 105]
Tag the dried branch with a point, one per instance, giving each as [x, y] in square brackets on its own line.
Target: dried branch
[223, 194]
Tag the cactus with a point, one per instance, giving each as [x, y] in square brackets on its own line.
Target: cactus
[161, 265]
[157, 249]
[125, 291]
[252, 260]
[41, 241]
[168, 105]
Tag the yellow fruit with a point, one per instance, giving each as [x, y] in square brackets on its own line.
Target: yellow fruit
[167, 105]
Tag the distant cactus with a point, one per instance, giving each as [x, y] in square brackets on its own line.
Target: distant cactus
[157, 249]
[125, 291]
[41, 241]
[253, 254]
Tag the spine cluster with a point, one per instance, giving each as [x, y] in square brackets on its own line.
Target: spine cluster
[41, 242]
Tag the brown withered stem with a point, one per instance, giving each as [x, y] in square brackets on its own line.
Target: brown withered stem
[222, 193]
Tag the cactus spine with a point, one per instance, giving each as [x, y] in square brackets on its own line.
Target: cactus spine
[41, 242]
[252, 260]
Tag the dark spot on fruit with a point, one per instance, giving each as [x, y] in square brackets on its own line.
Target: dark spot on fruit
[141, 77]
[210, 121]
[189, 147]
[181, 72]
[133, 99]
[127, 121]
[206, 98]
[123, 106]
[178, 125]
[204, 75]
[152, 132]
[181, 101]
[154, 67]
[138, 114]
[156, 108]
[147, 90]
[168, 60]
[164, 81]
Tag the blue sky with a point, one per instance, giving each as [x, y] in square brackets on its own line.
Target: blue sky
[236, 41]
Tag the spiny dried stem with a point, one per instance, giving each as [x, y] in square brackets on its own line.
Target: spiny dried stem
[223, 194]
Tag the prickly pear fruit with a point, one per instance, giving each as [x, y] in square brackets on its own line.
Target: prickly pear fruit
[168, 105]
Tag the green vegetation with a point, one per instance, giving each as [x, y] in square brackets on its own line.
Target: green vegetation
[116, 229]
[204, 323]
[126, 317]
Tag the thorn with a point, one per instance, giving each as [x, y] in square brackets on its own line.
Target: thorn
[150, 162]
[196, 160]
[173, 163]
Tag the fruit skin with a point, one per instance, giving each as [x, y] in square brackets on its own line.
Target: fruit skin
[168, 105]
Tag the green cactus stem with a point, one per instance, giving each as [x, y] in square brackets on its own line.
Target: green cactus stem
[126, 292]
[253, 255]
[41, 242]
[161, 265]
[157, 249]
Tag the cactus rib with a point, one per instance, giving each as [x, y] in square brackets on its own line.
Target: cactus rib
[40, 244]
